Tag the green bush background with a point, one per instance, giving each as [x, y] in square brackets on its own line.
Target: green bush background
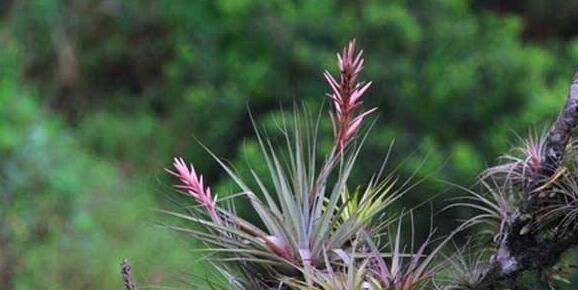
[97, 96]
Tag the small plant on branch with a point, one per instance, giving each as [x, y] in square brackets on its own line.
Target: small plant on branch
[308, 222]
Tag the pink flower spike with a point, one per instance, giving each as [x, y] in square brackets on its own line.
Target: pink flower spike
[193, 184]
[346, 94]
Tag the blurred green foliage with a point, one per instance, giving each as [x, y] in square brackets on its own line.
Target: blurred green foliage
[97, 96]
[68, 216]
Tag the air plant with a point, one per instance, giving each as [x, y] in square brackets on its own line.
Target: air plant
[560, 210]
[367, 267]
[522, 164]
[349, 274]
[505, 188]
[494, 205]
[403, 268]
[306, 220]
[465, 270]
[559, 197]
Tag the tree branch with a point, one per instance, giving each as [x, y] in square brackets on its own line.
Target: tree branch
[521, 250]
[560, 132]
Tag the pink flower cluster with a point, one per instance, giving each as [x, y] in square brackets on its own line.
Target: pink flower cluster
[193, 184]
[346, 95]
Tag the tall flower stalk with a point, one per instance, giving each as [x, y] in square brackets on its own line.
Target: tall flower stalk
[346, 95]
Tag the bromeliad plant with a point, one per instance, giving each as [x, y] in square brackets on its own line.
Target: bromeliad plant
[313, 231]
[306, 219]
[311, 221]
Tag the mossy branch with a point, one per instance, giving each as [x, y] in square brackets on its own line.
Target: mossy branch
[520, 249]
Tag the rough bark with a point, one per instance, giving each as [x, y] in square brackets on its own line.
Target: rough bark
[560, 133]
